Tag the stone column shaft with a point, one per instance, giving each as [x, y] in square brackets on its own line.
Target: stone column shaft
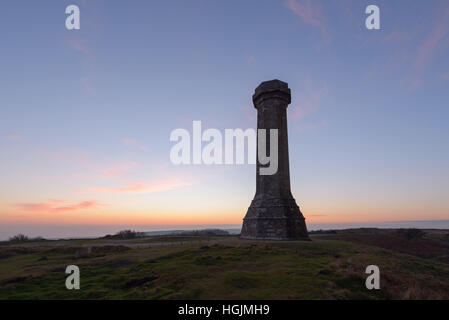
[273, 213]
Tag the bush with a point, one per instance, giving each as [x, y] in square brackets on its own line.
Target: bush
[323, 232]
[411, 233]
[24, 238]
[19, 238]
[126, 234]
[205, 232]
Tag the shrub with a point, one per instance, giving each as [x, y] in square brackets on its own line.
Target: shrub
[19, 238]
[126, 234]
[412, 233]
[24, 238]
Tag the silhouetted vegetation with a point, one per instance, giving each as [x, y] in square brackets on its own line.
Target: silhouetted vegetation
[411, 233]
[20, 238]
[125, 235]
[323, 232]
[207, 232]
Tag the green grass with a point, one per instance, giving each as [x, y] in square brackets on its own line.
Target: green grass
[225, 268]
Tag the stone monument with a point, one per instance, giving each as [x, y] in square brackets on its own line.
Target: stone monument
[274, 214]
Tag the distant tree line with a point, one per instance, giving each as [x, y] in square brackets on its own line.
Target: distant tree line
[23, 238]
[130, 234]
[206, 232]
[411, 233]
[125, 235]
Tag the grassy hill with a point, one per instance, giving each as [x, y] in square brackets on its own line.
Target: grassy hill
[331, 266]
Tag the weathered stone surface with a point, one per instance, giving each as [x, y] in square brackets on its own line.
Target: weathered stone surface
[274, 214]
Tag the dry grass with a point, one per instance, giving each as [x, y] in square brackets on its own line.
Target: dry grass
[329, 267]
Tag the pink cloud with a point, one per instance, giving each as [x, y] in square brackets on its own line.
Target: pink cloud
[90, 167]
[428, 49]
[308, 102]
[249, 112]
[88, 85]
[395, 36]
[310, 13]
[430, 45]
[117, 170]
[133, 143]
[77, 158]
[14, 137]
[160, 167]
[392, 65]
[138, 187]
[78, 44]
[57, 206]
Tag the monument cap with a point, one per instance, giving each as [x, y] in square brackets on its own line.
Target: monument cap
[273, 88]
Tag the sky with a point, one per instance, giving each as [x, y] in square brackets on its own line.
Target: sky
[86, 115]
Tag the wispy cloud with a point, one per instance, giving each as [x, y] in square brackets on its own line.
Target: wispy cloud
[310, 12]
[14, 137]
[428, 49]
[89, 166]
[249, 112]
[396, 36]
[117, 170]
[88, 85]
[57, 206]
[308, 101]
[78, 44]
[161, 166]
[392, 65]
[134, 144]
[139, 187]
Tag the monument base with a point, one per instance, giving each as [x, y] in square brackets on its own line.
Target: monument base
[274, 223]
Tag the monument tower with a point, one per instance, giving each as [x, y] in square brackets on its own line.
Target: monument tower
[274, 214]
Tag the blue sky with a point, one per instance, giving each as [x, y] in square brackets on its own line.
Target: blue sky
[86, 114]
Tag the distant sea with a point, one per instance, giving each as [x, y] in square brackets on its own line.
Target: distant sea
[83, 231]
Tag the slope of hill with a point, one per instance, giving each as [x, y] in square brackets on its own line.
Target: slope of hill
[331, 266]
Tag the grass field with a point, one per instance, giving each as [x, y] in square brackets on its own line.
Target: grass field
[331, 266]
